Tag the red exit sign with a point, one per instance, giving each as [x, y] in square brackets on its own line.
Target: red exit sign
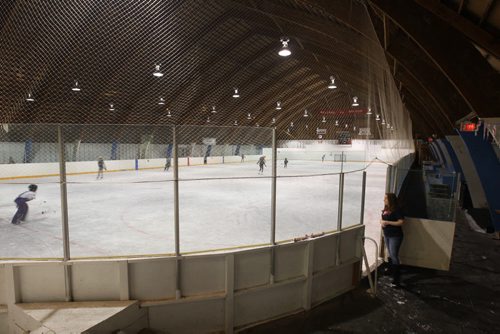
[469, 127]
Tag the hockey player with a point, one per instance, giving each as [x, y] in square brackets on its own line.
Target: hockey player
[323, 158]
[22, 206]
[167, 165]
[262, 164]
[285, 162]
[101, 165]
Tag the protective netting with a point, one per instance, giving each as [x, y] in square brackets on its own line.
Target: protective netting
[205, 50]
[223, 88]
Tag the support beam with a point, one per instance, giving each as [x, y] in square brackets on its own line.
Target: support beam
[449, 50]
[486, 12]
[477, 35]
[386, 32]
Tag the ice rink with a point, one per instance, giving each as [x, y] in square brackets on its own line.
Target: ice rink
[221, 206]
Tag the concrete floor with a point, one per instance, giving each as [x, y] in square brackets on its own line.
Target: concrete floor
[228, 205]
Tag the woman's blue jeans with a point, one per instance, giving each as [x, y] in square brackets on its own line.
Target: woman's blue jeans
[393, 245]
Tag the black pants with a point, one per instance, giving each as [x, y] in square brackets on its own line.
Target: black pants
[20, 215]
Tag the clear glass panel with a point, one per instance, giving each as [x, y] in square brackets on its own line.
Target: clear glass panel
[29, 155]
[305, 203]
[351, 209]
[124, 207]
[225, 200]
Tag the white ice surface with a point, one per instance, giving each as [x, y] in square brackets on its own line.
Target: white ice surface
[132, 213]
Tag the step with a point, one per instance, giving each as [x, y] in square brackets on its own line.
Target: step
[78, 317]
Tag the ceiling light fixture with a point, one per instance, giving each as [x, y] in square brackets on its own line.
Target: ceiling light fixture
[377, 117]
[249, 116]
[235, 123]
[213, 110]
[168, 113]
[355, 101]
[30, 98]
[278, 105]
[383, 121]
[369, 112]
[76, 88]
[157, 72]
[162, 101]
[323, 120]
[111, 107]
[291, 124]
[305, 113]
[284, 51]
[273, 121]
[332, 85]
[336, 123]
[236, 94]
[208, 119]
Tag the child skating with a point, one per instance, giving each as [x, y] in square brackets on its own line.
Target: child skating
[101, 167]
[22, 206]
[262, 164]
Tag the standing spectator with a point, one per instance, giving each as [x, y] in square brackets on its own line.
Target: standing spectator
[391, 222]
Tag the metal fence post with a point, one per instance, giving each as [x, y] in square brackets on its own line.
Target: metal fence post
[341, 201]
[363, 196]
[64, 215]
[176, 213]
[273, 204]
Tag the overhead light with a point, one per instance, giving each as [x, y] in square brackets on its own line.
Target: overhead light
[346, 126]
[291, 124]
[307, 126]
[213, 110]
[336, 122]
[284, 51]
[273, 121]
[76, 88]
[305, 113]
[249, 116]
[257, 124]
[111, 107]
[235, 122]
[383, 122]
[369, 112]
[157, 72]
[278, 105]
[377, 118]
[30, 98]
[388, 126]
[392, 128]
[354, 128]
[162, 101]
[323, 120]
[332, 85]
[208, 119]
[168, 113]
[236, 94]
[355, 101]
